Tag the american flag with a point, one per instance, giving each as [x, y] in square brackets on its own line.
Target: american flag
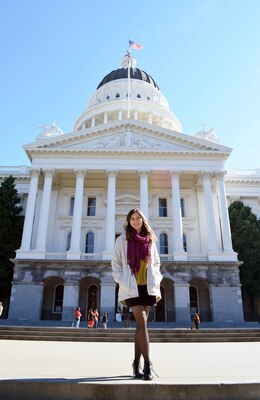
[136, 46]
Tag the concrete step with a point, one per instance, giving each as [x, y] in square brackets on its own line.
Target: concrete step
[127, 334]
[87, 390]
[80, 370]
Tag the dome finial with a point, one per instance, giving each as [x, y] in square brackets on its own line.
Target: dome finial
[128, 60]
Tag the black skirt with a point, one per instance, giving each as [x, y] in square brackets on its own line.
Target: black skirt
[144, 299]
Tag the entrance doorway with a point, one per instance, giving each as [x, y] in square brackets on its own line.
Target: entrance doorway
[159, 309]
[92, 297]
[194, 307]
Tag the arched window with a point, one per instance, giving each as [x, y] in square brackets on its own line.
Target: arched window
[163, 243]
[58, 299]
[184, 242]
[89, 248]
[138, 96]
[117, 95]
[68, 241]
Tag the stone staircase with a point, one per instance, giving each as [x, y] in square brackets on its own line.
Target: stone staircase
[101, 380]
[127, 334]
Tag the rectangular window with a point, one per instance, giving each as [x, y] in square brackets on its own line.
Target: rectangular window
[162, 207]
[182, 208]
[71, 209]
[91, 207]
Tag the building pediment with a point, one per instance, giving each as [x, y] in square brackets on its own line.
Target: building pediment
[134, 137]
[128, 199]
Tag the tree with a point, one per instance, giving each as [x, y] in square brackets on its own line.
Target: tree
[11, 225]
[245, 229]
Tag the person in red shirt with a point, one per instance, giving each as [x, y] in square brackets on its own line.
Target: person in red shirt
[78, 316]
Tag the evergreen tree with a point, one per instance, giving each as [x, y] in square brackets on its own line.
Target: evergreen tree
[11, 225]
[245, 229]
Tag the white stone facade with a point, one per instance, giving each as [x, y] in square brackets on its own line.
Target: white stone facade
[81, 185]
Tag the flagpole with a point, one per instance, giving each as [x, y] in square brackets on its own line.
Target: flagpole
[131, 63]
[128, 81]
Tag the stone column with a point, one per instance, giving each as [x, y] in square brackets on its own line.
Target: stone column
[144, 191]
[224, 217]
[44, 214]
[136, 115]
[182, 302]
[201, 218]
[30, 211]
[70, 301]
[223, 294]
[120, 115]
[26, 300]
[178, 251]
[210, 219]
[105, 118]
[93, 122]
[110, 215]
[74, 252]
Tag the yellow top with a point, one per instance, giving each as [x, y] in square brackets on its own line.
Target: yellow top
[141, 275]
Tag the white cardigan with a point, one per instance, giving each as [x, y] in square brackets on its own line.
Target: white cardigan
[123, 275]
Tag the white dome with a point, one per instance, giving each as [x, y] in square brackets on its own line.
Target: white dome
[110, 101]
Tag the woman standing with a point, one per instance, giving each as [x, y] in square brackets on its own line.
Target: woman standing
[90, 318]
[96, 316]
[136, 268]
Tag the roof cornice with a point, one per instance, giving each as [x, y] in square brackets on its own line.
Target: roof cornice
[99, 153]
[99, 131]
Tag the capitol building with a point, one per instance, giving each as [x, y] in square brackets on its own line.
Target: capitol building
[127, 150]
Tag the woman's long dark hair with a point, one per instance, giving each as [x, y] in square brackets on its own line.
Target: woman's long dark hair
[145, 226]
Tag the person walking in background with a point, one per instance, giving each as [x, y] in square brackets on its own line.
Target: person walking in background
[136, 268]
[90, 318]
[78, 316]
[1, 308]
[96, 316]
[196, 320]
[104, 320]
[126, 318]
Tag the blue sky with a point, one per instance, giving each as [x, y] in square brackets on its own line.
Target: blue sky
[203, 54]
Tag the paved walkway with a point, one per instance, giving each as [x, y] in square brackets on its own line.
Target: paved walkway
[110, 363]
